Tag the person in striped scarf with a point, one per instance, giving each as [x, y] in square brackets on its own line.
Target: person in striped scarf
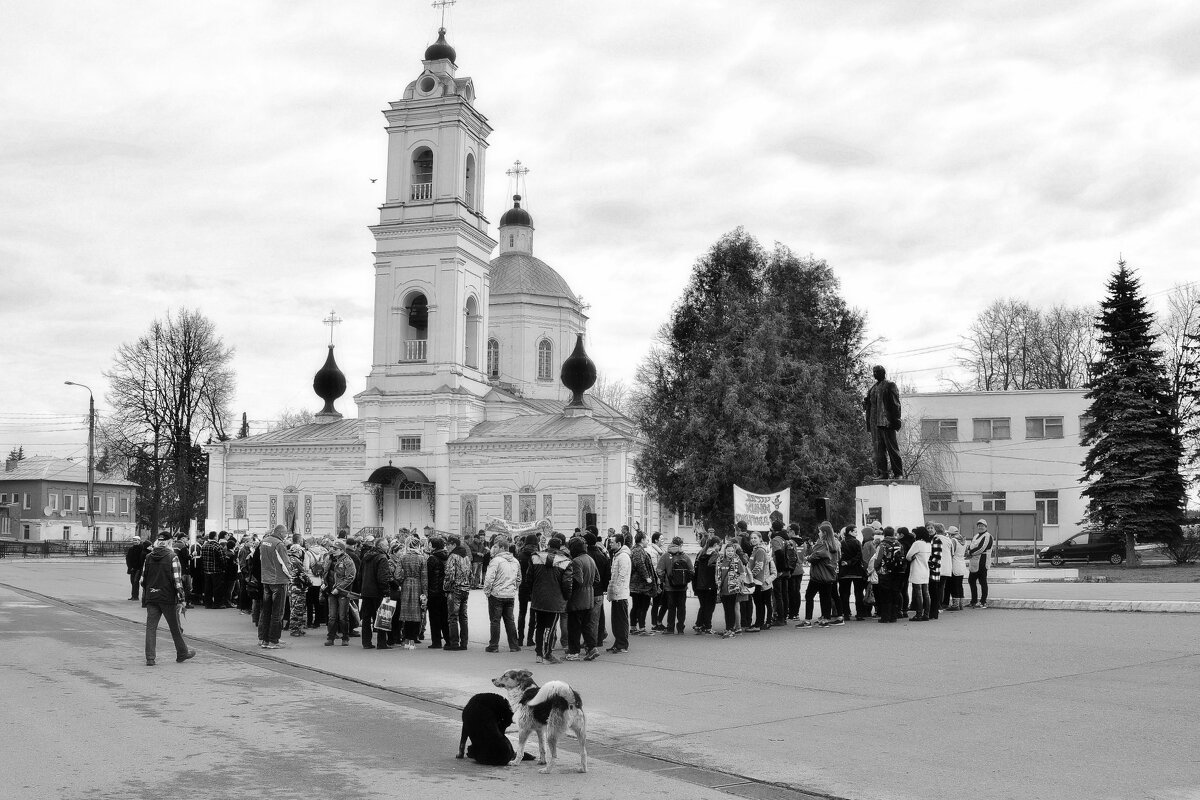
[939, 562]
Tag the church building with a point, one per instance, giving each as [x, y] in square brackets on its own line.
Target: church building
[474, 407]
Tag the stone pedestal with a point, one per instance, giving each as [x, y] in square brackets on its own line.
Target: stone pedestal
[896, 503]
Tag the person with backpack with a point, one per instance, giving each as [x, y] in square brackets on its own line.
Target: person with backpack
[978, 554]
[783, 574]
[553, 583]
[704, 584]
[822, 576]
[762, 572]
[871, 537]
[794, 559]
[675, 573]
[163, 593]
[889, 564]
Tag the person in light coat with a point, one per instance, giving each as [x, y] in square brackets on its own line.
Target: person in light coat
[501, 585]
[618, 594]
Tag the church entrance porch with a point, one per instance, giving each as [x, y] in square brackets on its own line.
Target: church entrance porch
[404, 498]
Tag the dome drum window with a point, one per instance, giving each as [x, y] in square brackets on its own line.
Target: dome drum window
[545, 360]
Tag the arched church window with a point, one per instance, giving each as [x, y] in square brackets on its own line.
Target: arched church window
[510, 240]
[545, 360]
[493, 358]
[422, 174]
[469, 187]
[471, 345]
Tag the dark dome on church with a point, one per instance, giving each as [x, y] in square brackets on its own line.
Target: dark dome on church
[440, 49]
[521, 273]
[516, 215]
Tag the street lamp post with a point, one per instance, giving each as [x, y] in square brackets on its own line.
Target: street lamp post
[91, 498]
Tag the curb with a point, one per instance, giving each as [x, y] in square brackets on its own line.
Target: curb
[1151, 606]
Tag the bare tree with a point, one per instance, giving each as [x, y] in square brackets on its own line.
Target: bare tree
[1179, 339]
[167, 390]
[615, 393]
[290, 418]
[1012, 345]
[928, 460]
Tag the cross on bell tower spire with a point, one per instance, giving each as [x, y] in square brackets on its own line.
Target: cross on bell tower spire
[441, 4]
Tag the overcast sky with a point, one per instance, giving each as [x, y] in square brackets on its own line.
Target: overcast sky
[219, 156]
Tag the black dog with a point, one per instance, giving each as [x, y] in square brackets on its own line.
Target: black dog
[486, 717]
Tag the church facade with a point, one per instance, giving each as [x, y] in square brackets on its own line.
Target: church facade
[463, 417]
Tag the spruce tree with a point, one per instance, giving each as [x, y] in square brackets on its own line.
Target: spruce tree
[1132, 466]
[754, 382]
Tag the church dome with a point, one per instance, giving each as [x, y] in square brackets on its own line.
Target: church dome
[521, 273]
[516, 215]
[440, 49]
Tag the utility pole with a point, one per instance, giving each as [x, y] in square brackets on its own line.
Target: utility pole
[91, 489]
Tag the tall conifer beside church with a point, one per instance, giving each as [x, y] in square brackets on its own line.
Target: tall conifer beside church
[463, 416]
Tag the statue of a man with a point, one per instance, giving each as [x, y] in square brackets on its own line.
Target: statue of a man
[882, 405]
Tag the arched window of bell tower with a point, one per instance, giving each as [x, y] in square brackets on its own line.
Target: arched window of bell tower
[422, 174]
[469, 182]
[471, 343]
[415, 335]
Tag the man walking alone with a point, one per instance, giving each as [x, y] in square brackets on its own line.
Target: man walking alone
[162, 595]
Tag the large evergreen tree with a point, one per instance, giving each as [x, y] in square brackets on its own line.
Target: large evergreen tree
[756, 381]
[1133, 462]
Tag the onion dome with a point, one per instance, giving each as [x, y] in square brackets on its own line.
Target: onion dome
[329, 383]
[516, 215]
[440, 49]
[578, 373]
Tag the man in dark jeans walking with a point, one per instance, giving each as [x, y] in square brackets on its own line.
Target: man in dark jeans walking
[135, 556]
[162, 595]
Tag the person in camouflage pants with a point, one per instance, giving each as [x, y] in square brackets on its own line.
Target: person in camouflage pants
[297, 591]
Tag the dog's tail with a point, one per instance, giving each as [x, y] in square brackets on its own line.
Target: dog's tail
[557, 689]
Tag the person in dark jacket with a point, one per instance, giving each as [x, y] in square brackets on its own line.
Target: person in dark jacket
[162, 595]
[135, 556]
[604, 567]
[704, 584]
[852, 576]
[905, 538]
[584, 580]
[376, 582]
[439, 626]
[525, 558]
[550, 574]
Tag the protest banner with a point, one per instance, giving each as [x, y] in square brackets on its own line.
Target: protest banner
[756, 509]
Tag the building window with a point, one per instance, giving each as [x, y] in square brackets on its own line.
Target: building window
[943, 429]
[410, 444]
[993, 428]
[3, 497]
[53, 502]
[68, 502]
[27, 504]
[125, 505]
[1043, 427]
[108, 534]
[1047, 507]
[939, 501]
[95, 534]
[66, 533]
[24, 531]
[510, 240]
[81, 506]
[545, 360]
[493, 358]
[410, 492]
[469, 183]
[422, 174]
[96, 503]
[111, 504]
[685, 519]
[995, 501]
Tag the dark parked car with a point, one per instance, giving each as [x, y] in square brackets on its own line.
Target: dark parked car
[1086, 546]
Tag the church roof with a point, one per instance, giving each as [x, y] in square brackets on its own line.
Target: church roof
[344, 431]
[540, 428]
[521, 273]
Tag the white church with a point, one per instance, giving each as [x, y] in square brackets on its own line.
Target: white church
[464, 417]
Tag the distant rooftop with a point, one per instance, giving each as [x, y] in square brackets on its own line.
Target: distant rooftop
[46, 468]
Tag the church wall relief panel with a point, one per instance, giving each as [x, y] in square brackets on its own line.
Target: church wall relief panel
[239, 506]
[273, 512]
[342, 514]
[290, 510]
[468, 512]
[508, 515]
[548, 508]
[528, 508]
[307, 514]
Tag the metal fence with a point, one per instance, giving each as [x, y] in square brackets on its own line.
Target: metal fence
[54, 549]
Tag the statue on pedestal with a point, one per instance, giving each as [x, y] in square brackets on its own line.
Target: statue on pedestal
[882, 406]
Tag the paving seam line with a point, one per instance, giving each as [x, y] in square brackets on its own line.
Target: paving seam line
[443, 707]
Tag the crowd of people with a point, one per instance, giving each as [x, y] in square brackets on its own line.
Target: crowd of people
[569, 594]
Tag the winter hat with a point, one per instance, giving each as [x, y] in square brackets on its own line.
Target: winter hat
[982, 522]
[677, 540]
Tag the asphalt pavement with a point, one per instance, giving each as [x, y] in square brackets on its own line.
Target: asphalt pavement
[992, 703]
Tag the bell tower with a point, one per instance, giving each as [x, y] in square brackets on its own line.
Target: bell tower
[432, 244]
